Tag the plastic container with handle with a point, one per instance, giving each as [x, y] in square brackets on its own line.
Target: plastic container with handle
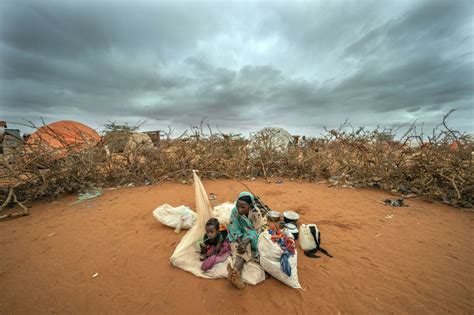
[306, 239]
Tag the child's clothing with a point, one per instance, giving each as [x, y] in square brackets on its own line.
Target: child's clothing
[218, 257]
[214, 259]
[219, 239]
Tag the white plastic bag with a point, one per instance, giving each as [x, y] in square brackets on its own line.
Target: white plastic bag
[270, 254]
[181, 217]
[252, 273]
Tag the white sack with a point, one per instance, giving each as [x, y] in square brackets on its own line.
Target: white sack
[222, 213]
[270, 253]
[174, 216]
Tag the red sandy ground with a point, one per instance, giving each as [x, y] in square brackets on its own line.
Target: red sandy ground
[418, 261]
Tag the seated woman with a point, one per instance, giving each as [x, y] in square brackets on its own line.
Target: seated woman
[245, 220]
[214, 246]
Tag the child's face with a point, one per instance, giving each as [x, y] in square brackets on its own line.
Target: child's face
[243, 207]
[211, 232]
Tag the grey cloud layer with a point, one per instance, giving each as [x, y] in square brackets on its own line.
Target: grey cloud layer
[254, 64]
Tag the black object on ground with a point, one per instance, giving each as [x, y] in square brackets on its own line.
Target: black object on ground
[395, 202]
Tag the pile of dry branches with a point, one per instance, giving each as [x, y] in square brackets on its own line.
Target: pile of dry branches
[436, 167]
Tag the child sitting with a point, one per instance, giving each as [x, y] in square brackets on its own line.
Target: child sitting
[214, 246]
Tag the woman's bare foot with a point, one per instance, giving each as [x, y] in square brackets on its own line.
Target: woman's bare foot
[234, 277]
[237, 281]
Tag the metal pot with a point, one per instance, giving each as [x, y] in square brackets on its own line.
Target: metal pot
[293, 230]
[291, 217]
[274, 216]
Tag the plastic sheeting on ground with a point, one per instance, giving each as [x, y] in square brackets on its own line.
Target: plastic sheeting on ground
[186, 254]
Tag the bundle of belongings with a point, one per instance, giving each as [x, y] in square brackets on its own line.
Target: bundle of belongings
[188, 254]
[233, 241]
[278, 256]
[181, 217]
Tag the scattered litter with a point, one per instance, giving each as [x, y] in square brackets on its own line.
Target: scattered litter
[95, 275]
[389, 216]
[252, 179]
[212, 196]
[131, 185]
[333, 183]
[147, 183]
[395, 202]
[184, 182]
[51, 234]
[279, 181]
[87, 196]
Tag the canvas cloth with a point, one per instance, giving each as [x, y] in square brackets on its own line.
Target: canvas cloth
[186, 254]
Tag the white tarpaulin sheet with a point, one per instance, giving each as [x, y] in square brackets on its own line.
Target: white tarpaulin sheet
[186, 254]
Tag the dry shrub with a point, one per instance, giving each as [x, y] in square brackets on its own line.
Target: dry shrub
[428, 166]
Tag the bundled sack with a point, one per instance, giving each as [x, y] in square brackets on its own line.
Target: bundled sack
[222, 213]
[181, 217]
[276, 262]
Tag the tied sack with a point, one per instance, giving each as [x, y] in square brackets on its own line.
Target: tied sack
[270, 255]
[180, 217]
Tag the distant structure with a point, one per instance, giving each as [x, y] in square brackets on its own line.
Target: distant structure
[154, 136]
[26, 136]
[3, 125]
[10, 139]
[63, 137]
[277, 140]
[126, 142]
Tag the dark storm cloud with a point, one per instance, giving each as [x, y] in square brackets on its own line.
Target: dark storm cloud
[299, 65]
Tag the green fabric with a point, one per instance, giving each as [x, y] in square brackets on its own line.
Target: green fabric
[241, 226]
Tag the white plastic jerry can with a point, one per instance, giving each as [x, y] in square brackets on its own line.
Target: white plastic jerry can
[306, 239]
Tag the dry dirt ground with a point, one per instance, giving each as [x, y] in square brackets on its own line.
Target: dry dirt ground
[418, 259]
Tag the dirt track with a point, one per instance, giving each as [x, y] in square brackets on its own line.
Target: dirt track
[420, 260]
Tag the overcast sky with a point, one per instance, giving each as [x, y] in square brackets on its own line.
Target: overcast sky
[244, 65]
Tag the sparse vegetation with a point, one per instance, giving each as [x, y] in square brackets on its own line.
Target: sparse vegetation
[436, 166]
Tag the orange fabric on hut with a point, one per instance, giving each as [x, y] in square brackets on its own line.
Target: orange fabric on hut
[64, 134]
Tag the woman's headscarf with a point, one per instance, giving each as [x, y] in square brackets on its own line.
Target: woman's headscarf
[241, 226]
